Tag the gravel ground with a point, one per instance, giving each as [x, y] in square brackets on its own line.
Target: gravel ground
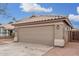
[72, 49]
[23, 49]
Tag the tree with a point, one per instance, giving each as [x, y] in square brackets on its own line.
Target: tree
[14, 19]
[10, 22]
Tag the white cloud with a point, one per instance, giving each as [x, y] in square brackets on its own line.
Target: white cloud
[73, 17]
[78, 10]
[33, 7]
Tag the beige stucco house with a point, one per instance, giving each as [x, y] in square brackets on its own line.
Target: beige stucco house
[44, 29]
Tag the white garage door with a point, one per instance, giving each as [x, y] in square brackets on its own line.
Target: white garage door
[40, 35]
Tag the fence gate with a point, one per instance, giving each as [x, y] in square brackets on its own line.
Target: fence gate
[73, 35]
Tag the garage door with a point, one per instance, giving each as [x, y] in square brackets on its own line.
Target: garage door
[40, 35]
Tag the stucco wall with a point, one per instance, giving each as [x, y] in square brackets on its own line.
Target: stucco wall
[58, 39]
[66, 29]
[59, 31]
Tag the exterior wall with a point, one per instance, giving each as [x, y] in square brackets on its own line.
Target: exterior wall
[66, 29]
[59, 40]
[16, 37]
[59, 31]
[61, 34]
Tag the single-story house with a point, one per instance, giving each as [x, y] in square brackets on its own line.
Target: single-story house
[44, 29]
[6, 31]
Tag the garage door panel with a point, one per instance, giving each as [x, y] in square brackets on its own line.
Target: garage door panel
[43, 35]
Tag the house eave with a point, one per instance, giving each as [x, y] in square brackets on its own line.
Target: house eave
[64, 19]
[37, 22]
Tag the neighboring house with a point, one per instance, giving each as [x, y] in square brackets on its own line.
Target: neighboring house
[45, 29]
[6, 30]
[2, 31]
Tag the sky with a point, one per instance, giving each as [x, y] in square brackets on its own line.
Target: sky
[21, 10]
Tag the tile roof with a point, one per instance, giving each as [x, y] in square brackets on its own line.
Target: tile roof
[7, 26]
[41, 18]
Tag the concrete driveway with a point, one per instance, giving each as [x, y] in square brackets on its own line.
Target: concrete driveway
[72, 49]
[9, 48]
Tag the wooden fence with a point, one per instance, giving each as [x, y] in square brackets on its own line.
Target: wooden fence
[73, 35]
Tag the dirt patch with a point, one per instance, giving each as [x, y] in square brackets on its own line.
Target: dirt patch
[72, 49]
[5, 41]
